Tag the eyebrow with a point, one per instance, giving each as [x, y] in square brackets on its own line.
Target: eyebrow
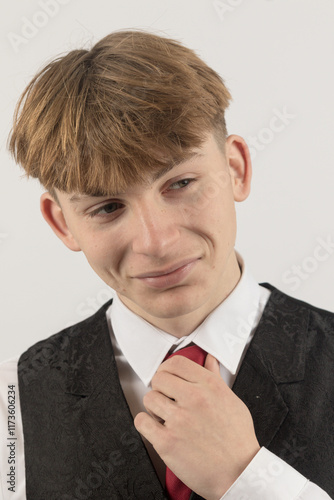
[75, 198]
[156, 176]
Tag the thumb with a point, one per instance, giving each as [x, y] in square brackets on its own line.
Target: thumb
[212, 364]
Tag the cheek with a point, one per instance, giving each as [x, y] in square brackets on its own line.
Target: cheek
[213, 207]
[197, 209]
[218, 222]
[102, 253]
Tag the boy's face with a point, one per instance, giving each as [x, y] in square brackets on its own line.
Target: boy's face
[167, 247]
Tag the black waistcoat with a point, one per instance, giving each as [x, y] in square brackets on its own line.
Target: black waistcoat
[79, 438]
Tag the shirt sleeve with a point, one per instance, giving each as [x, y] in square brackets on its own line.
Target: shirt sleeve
[267, 477]
[12, 466]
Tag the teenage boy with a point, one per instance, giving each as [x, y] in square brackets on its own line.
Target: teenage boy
[129, 140]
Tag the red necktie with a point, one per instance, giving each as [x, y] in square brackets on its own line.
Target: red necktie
[175, 488]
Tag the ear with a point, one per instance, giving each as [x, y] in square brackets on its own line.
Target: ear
[53, 214]
[240, 166]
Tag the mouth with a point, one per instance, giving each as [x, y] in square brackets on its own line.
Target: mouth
[170, 276]
[164, 272]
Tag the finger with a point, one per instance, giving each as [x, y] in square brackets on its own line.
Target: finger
[158, 405]
[169, 385]
[212, 364]
[183, 368]
[156, 417]
[151, 429]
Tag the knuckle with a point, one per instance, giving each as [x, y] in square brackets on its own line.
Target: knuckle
[147, 398]
[158, 379]
[200, 397]
[175, 361]
[213, 385]
[180, 418]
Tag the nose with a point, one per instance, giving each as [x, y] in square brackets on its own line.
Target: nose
[156, 230]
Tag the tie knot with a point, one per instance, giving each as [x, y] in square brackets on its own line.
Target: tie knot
[193, 352]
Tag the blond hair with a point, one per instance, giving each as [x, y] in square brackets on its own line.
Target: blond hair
[95, 121]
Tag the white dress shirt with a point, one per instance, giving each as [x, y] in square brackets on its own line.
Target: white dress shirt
[139, 349]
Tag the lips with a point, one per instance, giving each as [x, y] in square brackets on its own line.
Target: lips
[163, 272]
[173, 275]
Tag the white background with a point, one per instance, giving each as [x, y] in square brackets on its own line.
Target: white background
[273, 55]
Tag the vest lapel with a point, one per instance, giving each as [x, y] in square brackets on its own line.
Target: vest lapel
[256, 388]
[276, 355]
[80, 441]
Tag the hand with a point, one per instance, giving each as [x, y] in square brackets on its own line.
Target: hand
[202, 431]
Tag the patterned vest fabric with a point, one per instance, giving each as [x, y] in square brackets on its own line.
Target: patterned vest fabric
[80, 441]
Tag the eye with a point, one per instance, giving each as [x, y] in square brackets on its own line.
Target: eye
[107, 209]
[183, 183]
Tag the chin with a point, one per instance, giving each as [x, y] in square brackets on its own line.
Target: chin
[173, 307]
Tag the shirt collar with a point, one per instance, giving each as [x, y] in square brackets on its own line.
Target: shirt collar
[224, 333]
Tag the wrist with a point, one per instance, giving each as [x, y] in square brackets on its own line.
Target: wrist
[233, 475]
